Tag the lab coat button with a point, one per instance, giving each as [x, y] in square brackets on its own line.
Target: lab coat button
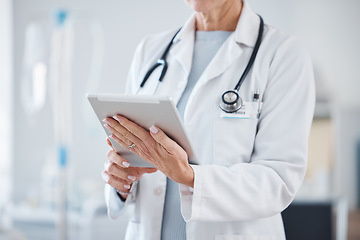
[181, 85]
[159, 191]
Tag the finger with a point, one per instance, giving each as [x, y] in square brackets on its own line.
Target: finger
[125, 142]
[134, 129]
[112, 156]
[121, 133]
[135, 173]
[148, 170]
[115, 182]
[137, 146]
[119, 172]
[109, 143]
[161, 138]
[132, 147]
[139, 171]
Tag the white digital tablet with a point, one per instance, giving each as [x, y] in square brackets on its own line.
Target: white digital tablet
[145, 111]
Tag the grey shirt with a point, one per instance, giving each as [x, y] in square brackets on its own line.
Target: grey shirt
[207, 43]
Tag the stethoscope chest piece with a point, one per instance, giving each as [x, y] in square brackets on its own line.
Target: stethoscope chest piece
[230, 101]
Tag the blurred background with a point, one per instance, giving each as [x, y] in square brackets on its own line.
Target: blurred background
[91, 43]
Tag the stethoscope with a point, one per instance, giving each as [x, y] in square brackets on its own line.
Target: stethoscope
[230, 100]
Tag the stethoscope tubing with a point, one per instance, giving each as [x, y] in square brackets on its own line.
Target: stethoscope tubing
[253, 55]
[226, 106]
[159, 62]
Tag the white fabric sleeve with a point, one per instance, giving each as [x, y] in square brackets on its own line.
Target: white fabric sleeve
[115, 206]
[267, 184]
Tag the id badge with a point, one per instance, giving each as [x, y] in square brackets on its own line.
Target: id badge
[247, 110]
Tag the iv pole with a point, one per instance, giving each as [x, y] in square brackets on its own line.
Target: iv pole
[60, 79]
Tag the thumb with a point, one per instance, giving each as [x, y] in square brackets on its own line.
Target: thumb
[161, 138]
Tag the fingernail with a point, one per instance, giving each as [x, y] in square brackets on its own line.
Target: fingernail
[107, 165]
[116, 118]
[105, 121]
[127, 186]
[132, 178]
[154, 129]
[126, 164]
[107, 126]
[105, 177]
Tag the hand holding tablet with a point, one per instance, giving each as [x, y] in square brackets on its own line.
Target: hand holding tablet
[144, 111]
[154, 147]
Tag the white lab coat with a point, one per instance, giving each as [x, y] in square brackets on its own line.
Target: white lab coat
[248, 169]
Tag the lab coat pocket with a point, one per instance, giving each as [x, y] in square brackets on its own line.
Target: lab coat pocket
[132, 231]
[247, 111]
[234, 135]
[242, 237]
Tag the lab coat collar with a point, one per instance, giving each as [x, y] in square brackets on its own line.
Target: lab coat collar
[246, 33]
[183, 44]
[187, 30]
[247, 28]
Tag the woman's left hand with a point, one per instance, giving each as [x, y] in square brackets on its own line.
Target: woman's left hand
[154, 146]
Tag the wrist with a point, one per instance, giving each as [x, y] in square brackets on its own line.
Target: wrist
[189, 177]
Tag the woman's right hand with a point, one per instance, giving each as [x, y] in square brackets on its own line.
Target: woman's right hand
[118, 173]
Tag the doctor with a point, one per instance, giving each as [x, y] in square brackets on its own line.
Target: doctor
[250, 163]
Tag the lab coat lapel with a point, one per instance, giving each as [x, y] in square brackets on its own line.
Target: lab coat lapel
[245, 34]
[183, 47]
[227, 54]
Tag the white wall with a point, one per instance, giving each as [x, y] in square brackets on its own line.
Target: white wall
[329, 30]
[6, 114]
[326, 27]
[345, 168]
[124, 24]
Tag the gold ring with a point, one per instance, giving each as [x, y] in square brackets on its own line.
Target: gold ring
[132, 146]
